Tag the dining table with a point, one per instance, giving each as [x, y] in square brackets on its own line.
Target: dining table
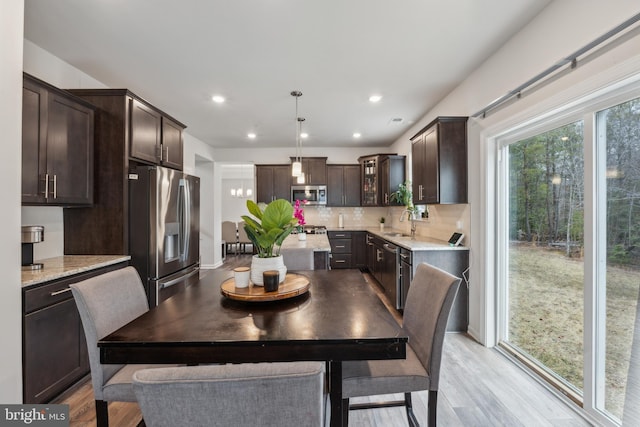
[339, 318]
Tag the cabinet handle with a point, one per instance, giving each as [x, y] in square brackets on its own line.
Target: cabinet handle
[340, 261]
[159, 152]
[53, 294]
[166, 154]
[55, 186]
[339, 246]
[403, 256]
[46, 185]
[420, 192]
[339, 235]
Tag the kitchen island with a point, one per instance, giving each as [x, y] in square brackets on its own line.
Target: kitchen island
[318, 242]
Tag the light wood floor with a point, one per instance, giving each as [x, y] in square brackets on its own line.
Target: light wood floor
[478, 387]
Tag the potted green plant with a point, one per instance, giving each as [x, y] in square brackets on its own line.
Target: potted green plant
[404, 196]
[382, 223]
[267, 229]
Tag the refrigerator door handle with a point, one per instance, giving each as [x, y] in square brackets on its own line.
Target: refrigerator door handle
[185, 218]
[164, 285]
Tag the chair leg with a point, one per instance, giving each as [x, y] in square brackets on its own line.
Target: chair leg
[102, 413]
[345, 412]
[433, 406]
[411, 417]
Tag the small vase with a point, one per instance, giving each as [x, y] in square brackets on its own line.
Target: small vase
[382, 226]
[260, 265]
[302, 236]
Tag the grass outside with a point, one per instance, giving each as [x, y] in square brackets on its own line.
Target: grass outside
[546, 299]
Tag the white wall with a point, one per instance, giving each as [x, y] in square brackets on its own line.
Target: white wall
[11, 30]
[559, 30]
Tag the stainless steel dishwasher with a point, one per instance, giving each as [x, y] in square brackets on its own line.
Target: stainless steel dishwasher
[406, 274]
[390, 274]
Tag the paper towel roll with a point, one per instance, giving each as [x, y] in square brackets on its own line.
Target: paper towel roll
[340, 221]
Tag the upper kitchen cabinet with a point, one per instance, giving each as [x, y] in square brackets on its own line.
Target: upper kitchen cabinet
[439, 162]
[151, 137]
[57, 146]
[273, 182]
[381, 175]
[315, 171]
[343, 185]
[128, 131]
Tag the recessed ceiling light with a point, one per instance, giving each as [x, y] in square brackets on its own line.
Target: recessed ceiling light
[251, 135]
[218, 99]
[375, 98]
[304, 135]
[357, 135]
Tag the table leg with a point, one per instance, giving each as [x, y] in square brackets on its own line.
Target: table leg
[335, 393]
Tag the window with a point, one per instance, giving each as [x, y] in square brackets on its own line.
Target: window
[568, 252]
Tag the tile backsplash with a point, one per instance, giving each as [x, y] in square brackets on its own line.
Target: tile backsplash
[442, 222]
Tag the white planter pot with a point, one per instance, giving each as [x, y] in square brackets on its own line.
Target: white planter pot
[260, 265]
[302, 236]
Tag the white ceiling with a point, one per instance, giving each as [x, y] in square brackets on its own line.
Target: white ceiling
[178, 53]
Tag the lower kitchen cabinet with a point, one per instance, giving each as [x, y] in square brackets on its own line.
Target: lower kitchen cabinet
[53, 344]
[340, 249]
[348, 249]
[456, 262]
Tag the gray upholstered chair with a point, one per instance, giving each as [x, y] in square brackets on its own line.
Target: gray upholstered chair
[297, 258]
[243, 238]
[631, 409]
[230, 236]
[426, 312]
[266, 394]
[106, 303]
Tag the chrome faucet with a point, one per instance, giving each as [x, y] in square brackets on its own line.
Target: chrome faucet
[412, 216]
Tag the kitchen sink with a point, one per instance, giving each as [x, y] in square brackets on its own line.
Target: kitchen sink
[395, 234]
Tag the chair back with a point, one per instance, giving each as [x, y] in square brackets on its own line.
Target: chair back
[298, 258]
[429, 301]
[268, 394]
[106, 303]
[229, 232]
[242, 234]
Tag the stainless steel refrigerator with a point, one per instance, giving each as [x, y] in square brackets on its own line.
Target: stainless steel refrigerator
[164, 229]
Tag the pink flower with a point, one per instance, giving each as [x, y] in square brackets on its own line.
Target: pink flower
[298, 212]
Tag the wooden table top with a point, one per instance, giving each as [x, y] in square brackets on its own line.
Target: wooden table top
[339, 318]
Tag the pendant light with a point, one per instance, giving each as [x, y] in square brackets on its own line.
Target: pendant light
[296, 166]
[300, 178]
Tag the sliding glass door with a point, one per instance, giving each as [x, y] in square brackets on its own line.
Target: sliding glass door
[567, 193]
[545, 242]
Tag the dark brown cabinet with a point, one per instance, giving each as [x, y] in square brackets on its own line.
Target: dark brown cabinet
[348, 249]
[57, 146]
[381, 175]
[128, 131]
[392, 174]
[273, 182]
[343, 185]
[54, 348]
[315, 171]
[439, 162]
[155, 138]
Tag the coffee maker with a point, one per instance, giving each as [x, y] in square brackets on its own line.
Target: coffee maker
[31, 234]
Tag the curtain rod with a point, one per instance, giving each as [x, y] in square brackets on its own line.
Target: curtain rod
[570, 59]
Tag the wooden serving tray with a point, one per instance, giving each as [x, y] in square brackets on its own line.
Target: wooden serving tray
[293, 285]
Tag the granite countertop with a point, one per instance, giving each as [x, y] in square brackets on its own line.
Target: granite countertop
[398, 237]
[319, 242]
[68, 265]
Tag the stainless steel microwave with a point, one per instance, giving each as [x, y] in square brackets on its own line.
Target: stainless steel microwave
[313, 194]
